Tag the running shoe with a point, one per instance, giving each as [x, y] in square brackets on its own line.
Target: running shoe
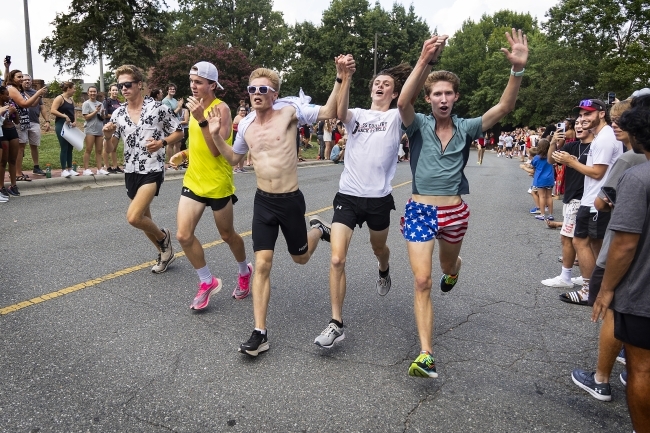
[38, 171]
[447, 282]
[550, 218]
[243, 288]
[540, 217]
[578, 281]
[623, 377]
[557, 282]
[579, 297]
[206, 290]
[102, 171]
[4, 193]
[325, 228]
[621, 357]
[587, 381]
[383, 285]
[166, 255]
[535, 211]
[330, 335]
[256, 344]
[118, 170]
[423, 366]
[88, 172]
[13, 190]
[3, 199]
[111, 170]
[73, 173]
[65, 173]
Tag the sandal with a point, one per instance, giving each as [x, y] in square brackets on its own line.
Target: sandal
[24, 177]
[575, 297]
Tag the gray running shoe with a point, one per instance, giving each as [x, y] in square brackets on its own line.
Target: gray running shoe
[587, 381]
[166, 255]
[318, 222]
[383, 285]
[329, 336]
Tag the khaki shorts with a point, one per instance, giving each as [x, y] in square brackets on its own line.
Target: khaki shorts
[569, 212]
[31, 135]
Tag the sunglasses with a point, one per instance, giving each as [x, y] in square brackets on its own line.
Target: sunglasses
[589, 103]
[263, 90]
[127, 84]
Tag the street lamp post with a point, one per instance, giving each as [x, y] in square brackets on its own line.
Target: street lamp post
[375, 73]
[28, 41]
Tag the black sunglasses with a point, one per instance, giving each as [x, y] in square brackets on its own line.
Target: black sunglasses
[127, 84]
[262, 89]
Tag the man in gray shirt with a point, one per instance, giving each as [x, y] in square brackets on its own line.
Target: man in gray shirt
[33, 134]
[625, 283]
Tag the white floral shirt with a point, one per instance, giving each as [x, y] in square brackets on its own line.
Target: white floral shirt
[157, 121]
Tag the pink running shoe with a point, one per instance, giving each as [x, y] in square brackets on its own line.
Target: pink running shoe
[243, 284]
[202, 297]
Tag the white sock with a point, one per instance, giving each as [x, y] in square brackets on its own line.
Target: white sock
[261, 331]
[204, 274]
[243, 268]
[566, 274]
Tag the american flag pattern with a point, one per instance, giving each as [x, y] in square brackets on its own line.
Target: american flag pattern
[423, 222]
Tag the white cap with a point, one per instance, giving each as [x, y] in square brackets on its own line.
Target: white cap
[642, 92]
[206, 70]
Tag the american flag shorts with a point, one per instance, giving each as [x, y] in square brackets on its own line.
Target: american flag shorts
[423, 222]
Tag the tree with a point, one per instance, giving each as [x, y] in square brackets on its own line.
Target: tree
[124, 31]
[232, 63]
[615, 35]
[251, 25]
[351, 26]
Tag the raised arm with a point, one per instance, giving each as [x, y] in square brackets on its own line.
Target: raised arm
[518, 56]
[430, 52]
[26, 103]
[344, 94]
[215, 125]
[328, 110]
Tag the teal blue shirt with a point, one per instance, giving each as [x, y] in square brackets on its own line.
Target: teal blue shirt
[438, 172]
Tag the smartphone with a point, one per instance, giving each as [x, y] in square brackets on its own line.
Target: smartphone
[611, 97]
[7, 59]
[610, 193]
[561, 126]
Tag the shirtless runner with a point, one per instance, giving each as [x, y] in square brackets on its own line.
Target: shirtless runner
[268, 133]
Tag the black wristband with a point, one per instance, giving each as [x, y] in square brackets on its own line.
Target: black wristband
[164, 142]
[203, 123]
[339, 80]
[433, 62]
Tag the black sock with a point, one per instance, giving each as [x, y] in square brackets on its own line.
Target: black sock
[384, 274]
[337, 323]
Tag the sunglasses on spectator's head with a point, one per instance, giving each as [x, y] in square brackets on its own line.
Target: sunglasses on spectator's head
[127, 84]
[586, 103]
[262, 89]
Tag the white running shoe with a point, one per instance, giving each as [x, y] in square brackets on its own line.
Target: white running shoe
[557, 282]
[65, 173]
[73, 173]
[102, 171]
[87, 172]
[578, 281]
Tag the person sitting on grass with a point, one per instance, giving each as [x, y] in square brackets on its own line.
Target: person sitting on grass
[338, 152]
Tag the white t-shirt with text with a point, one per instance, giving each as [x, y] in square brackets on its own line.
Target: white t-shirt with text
[604, 150]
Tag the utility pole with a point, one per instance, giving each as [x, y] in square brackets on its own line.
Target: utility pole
[28, 41]
[375, 73]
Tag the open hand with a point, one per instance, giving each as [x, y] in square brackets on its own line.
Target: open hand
[518, 56]
[214, 120]
[196, 108]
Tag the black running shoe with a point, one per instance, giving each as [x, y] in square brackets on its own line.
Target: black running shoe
[38, 171]
[325, 228]
[13, 190]
[118, 170]
[255, 345]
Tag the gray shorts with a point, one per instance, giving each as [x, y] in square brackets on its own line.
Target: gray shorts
[31, 135]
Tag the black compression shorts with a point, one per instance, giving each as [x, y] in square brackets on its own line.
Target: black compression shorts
[279, 211]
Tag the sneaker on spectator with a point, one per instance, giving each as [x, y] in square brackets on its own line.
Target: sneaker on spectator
[3, 199]
[587, 381]
[423, 366]
[623, 378]
[330, 335]
[206, 290]
[256, 344]
[73, 173]
[243, 288]
[540, 217]
[550, 218]
[118, 170]
[65, 173]
[535, 211]
[87, 172]
[38, 171]
[102, 171]
[13, 190]
[4, 193]
[319, 223]
[621, 356]
[166, 255]
[577, 281]
[557, 282]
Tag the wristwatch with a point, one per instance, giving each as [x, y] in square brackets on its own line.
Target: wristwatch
[164, 142]
[517, 74]
[203, 123]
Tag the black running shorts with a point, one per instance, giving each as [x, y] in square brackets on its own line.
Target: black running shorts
[631, 329]
[350, 211]
[591, 225]
[285, 211]
[134, 181]
[216, 204]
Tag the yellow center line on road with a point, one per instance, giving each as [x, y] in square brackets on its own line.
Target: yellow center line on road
[90, 283]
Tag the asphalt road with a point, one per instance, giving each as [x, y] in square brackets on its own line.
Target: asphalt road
[126, 354]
